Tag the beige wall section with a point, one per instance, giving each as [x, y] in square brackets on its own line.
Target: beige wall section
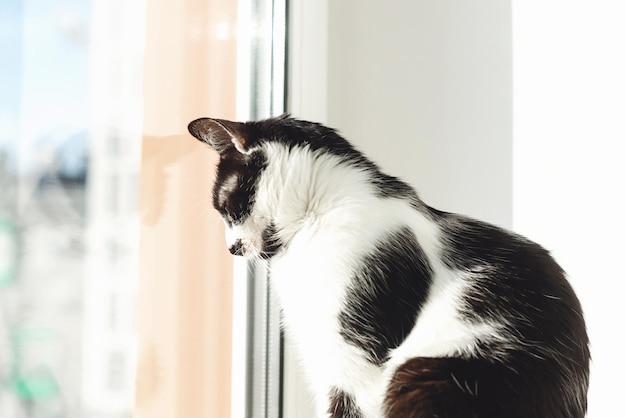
[185, 291]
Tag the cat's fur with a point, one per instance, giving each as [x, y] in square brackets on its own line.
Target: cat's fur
[397, 309]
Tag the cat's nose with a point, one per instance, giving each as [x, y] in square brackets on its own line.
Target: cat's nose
[236, 248]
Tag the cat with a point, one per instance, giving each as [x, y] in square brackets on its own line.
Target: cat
[397, 309]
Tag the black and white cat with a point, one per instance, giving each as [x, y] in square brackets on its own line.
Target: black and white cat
[397, 309]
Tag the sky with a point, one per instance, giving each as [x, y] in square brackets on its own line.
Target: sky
[44, 74]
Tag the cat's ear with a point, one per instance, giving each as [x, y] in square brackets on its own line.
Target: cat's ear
[221, 134]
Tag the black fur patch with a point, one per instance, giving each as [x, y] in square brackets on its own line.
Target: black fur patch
[235, 184]
[386, 295]
[342, 405]
[516, 280]
[271, 243]
[294, 132]
[476, 388]
[392, 187]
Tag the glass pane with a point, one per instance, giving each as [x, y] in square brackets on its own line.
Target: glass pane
[69, 154]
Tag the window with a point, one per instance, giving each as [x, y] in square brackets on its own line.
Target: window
[116, 300]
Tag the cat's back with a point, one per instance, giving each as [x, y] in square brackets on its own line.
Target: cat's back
[435, 302]
[510, 279]
[502, 322]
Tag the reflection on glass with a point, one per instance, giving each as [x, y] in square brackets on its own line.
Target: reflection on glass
[69, 155]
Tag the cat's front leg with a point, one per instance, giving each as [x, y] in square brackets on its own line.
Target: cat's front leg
[341, 405]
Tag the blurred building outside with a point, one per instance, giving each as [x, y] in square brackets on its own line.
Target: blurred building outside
[70, 130]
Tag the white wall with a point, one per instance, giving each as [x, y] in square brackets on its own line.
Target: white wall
[424, 88]
[569, 170]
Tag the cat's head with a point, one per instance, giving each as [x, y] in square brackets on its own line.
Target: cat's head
[263, 186]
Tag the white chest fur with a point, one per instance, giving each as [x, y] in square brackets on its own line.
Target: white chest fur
[311, 282]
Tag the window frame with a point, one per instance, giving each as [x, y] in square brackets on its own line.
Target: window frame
[257, 382]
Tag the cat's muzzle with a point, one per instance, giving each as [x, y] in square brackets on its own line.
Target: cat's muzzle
[236, 248]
